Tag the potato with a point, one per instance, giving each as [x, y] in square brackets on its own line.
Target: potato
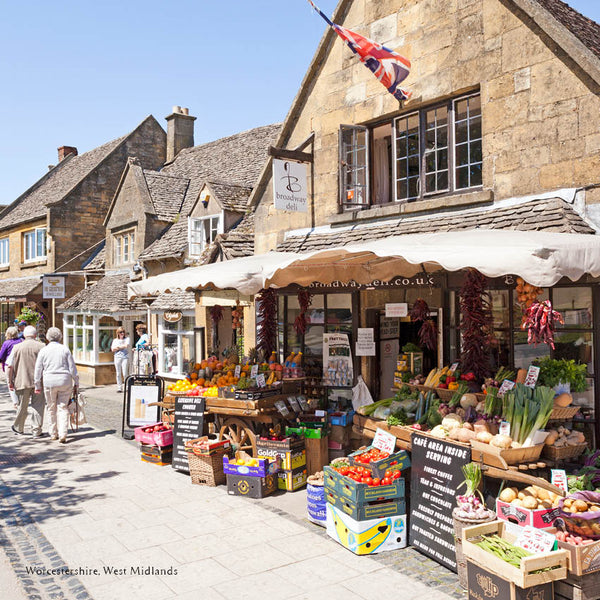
[517, 502]
[555, 502]
[507, 495]
[568, 502]
[530, 502]
[580, 506]
[542, 494]
[545, 504]
[532, 490]
[524, 494]
[594, 508]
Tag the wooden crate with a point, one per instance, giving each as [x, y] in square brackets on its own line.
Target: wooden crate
[499, 457]
[523, 577]
[575, 587]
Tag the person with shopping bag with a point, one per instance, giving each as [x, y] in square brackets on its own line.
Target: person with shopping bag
[56, 366]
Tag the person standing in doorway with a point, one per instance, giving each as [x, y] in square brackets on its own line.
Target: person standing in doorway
[21, 367]
[120, 350]
[11, 339]
[144, 338]
[56, 366]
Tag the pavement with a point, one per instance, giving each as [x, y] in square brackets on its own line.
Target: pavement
[90, 520]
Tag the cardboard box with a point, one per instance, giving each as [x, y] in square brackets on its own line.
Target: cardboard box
[253, 487]
[483, 585]
[265, 467]
[290, 459]
[582, 559]
[340, 434]
[285, 445]
[290, 481]
[366, 537]
[367, 510]
[540, 518]
[157, 455]
[360, 493]
[398, 461]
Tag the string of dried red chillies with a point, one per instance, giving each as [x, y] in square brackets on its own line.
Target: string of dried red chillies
[428, 331]
[266, 335]
[539, 322]
[304, 301]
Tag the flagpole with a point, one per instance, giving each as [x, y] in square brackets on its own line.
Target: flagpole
[327, 20]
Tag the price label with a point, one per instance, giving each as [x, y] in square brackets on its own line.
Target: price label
[532, 376]
[260, 380]
[504, 428]
[254, 371]
[237, 371]
[559, 479]
[453, 367]
[320, 413]
[536, 540]
[507, 384]
[384, 441]
[294, 404]
[282, 408]
[303, 403]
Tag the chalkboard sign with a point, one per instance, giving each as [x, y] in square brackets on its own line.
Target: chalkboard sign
[140, 402]
[189, 423]
[436, 474]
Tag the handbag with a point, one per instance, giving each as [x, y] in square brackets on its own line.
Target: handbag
[76, 409]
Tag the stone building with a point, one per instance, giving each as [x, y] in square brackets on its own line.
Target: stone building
[192, 210]
[57, 224]
[501, 132]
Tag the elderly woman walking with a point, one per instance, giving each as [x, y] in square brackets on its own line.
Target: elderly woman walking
[56, 365]
[11, 339]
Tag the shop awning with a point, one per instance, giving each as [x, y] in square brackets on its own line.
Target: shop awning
[541, 258]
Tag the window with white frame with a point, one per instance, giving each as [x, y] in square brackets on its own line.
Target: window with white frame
[202, 232]
[436, 150]
[34, 244]
[4, 252]
[175, 345]
[89, 337]
[124, 247]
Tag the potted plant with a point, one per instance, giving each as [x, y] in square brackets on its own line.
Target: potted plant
[562, 375]
[30, 316]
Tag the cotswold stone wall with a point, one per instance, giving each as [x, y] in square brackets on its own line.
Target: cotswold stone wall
[540, 112]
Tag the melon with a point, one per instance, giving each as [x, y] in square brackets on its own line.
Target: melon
[563, 400]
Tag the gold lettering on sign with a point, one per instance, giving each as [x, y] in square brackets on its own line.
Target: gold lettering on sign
[490, 589]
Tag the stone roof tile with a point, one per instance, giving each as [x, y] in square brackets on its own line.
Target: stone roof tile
[167, 193]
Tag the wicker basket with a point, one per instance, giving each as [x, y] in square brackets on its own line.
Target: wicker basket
[207, 470]
[565, 452]
[561, 414]
[444, 394]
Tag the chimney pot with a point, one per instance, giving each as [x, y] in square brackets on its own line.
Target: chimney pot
[180, 131]
[64, 151]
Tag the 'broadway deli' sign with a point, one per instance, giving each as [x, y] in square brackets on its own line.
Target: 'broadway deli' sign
[417, 280]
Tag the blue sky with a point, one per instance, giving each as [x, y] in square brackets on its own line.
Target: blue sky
[81, 73]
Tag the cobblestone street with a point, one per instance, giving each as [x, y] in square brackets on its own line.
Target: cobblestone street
[93, 506]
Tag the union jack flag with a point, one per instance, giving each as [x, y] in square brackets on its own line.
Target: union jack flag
[388, 66]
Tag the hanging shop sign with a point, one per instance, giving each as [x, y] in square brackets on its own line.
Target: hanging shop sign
[189, 424]
[397, 282]
[290, 185]
[172, 316]
[53, 287]
[436, 474]
[337, 360]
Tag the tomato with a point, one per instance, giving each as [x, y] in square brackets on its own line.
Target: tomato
[396, 475]
[344, 470]
[386, 481]
[389, 473]
[376, 481]
[368, 480]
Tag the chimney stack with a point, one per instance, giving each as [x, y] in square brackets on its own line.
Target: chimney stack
[64, 151]
[180, 131]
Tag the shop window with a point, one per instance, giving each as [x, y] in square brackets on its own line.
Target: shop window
[124, 248]
[434, 151]
[176, 345]
[107, 332]
[4, 252]
[34, 244]
[202, 232]
[575, 305]
[89, 337]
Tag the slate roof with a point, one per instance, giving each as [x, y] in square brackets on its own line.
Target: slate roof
[231, 197]
[234, 160]
[18, 287]
[229, 166]
[167, 193]
[55, 185]
[175, 301]
[107, 295]
[584, 29]
[539, 215]
[97, 260]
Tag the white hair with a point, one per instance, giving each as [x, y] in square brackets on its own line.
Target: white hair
[30, 331]
[54, 334]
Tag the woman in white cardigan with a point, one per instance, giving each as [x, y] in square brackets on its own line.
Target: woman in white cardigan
[56, 366]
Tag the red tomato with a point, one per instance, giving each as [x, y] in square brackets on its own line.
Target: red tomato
[368, 480]
[396, 475]
[376, 481]
[389, 473]
[386, 481]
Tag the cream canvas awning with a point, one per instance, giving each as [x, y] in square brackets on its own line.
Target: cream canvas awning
[540, 258]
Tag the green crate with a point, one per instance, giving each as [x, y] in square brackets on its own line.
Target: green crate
[398, 461]
[358, 493]
[368, 510]
[306, 432]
